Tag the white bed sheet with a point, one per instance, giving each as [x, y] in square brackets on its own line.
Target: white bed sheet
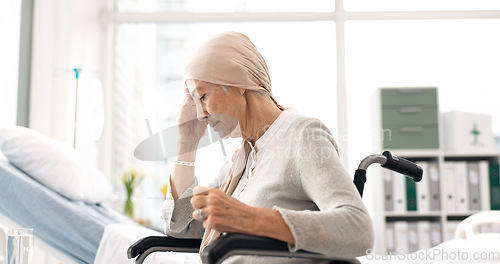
[483, 248]
[118, 238]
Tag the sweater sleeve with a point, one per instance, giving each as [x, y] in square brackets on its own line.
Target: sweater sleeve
[341, 227]
[178, 215]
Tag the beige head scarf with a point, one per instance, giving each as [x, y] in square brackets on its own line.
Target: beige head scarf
[230, 59]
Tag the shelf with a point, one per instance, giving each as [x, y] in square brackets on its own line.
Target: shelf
[438, 158]
[413, 214]
[471, 155]
[457, 217]
[415, 153]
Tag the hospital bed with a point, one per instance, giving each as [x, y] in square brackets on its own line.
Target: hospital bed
[73, 228]
[238, 244]
[71, 231]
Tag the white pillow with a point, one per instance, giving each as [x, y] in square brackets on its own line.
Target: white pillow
[54, 164]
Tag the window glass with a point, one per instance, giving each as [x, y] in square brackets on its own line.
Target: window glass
[225, 5]
[460, 57]
[420, 5]
[149, 61]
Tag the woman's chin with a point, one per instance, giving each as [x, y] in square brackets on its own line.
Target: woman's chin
[230, 135]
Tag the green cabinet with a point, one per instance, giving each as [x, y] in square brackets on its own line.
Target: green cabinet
[409, 118]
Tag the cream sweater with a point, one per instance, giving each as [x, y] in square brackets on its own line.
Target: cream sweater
[298, 172]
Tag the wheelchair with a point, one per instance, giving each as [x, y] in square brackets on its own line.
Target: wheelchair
[228, 245]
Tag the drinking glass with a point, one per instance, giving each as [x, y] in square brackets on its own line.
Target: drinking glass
[20, 246]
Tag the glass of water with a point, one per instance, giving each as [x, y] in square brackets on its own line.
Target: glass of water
[20, 246]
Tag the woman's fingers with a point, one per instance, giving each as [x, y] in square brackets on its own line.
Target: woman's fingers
[198, 202]
[198, 214]
[221, 211]
[201, 190]
[188, 94]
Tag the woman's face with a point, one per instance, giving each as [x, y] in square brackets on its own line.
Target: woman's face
[220, 107]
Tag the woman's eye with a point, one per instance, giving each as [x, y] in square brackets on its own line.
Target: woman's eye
[202, 98]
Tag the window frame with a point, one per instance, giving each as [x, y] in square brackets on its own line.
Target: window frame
[338, 16]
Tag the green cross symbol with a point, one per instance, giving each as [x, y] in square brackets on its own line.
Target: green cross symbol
[476, 133]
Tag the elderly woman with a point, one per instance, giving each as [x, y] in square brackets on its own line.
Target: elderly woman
[285, 182]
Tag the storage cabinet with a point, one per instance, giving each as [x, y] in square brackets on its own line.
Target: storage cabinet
[409, 118]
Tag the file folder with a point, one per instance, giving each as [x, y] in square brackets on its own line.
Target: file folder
[484, 185]
[473, 180]
[389, 238]
[435, 233]
[388, 191]
[399, 191]
[434, 185]
[424, 235]
[451, 226]
[494, 186]
[412, 237]
[461, 190]
[411, 195]
[401, 237]
[423, 188]
[449, 186]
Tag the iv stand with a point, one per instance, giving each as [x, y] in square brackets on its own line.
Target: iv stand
[77, 72]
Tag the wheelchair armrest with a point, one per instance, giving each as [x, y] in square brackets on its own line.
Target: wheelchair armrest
[163, 243]
[238, 244]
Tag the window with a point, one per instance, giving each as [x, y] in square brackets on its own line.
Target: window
[420, 5]
[225, 6]
[299, 42]
[460, 57]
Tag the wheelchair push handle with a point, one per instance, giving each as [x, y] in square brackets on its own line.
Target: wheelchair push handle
[403, 166]
[388, 161]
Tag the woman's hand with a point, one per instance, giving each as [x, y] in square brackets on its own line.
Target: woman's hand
[190, 128]
[224, 213]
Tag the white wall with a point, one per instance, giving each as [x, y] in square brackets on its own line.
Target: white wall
[10, 22]
[66, 34]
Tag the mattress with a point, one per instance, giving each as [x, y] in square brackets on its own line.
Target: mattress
[73, 227]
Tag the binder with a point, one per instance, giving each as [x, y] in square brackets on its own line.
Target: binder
[435, 233]
[484, 185]
[461, 182]
[486, 228]
[412, 237]
[473, 180]
[399, 191]
[424, 235]
[451, 226]
[411, 195]
[489, 228]
[449, 186]
[389, 238]
[434, 191]
[388, 191]
[401, 237]
[423, 188]
[494, 186]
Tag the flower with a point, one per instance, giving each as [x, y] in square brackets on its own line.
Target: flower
[131, 178]
[163, 190]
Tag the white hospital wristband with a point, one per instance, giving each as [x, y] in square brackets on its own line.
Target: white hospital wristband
[184, 163]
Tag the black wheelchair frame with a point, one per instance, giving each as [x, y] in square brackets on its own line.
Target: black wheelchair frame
[228, 245]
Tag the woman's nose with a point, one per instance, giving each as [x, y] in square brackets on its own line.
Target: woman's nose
[200, 113]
